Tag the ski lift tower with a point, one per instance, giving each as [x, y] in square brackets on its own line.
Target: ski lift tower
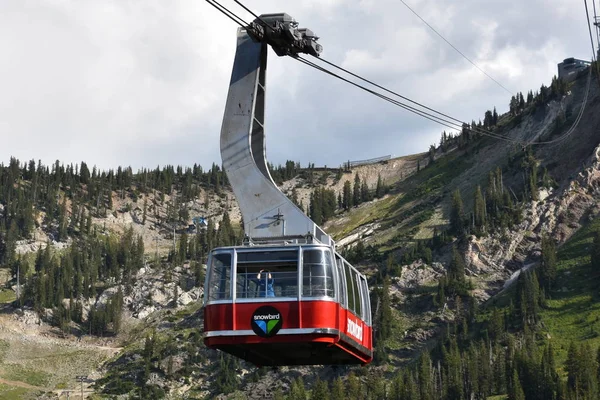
[597, 24]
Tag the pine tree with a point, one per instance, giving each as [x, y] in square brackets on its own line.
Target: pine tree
[425, 374]
[488, 120]
[441, 291]
[297, 390]
[431, 154]
[496, 325]
[456, 273]
[548, 265]
[516, 390]
[457, 213]
[347, 196]
[379, 189]
[548, 375]
[364, 191]
[396, 389]
[479, 210]
[337, 389]
[353, 388]
[278, 394]
[572, 367]
[454, 372]
[588, 368]
[63, 220]
[356, 200]
[320, 390]
[316, 212]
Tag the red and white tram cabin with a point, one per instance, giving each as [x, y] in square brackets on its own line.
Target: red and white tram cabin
[317, 313]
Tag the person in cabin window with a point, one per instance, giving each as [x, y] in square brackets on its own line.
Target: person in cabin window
[265, 284]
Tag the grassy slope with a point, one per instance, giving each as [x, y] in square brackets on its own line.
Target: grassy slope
[411, 210]
[13, 393]
[573, 313]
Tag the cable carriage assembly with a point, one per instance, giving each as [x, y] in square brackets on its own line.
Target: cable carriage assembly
[285, 297]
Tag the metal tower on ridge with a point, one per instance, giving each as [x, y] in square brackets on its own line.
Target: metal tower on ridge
[267, 213]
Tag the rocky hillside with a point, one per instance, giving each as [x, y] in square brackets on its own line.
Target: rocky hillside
[406, 240]
[416, 214]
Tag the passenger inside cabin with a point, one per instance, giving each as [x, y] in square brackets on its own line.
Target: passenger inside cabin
[265, 285]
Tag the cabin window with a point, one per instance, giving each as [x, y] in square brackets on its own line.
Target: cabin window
[366, 305]
[353, 290]
[317, 273]
[358, 306]
[279, 276]
[219, 279]
[342, 280]
[350, 292]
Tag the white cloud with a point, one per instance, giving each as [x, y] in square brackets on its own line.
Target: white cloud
[119, 82]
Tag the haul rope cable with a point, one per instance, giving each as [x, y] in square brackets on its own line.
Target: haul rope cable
[421, 113]
[457, 50]
[463, 125]
[427, 115]
[467, 126]
[597, 26]
[478, 130]
[587, 14]
[228, 13]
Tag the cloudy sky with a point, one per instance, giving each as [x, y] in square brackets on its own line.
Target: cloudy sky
[144, 82]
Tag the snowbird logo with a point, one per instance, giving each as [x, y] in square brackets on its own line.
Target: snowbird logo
[266, 321]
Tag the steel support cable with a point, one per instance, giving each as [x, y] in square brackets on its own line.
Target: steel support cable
[388, 90]
[228, 13]
[457, 126]
[264, 23]
[407, 107]
[476, 130]
[579, 116]
[454, 47]
[587, 14]
[596, 20]
[384, 97]
[479, 130]
[434, 118]
[417, 111]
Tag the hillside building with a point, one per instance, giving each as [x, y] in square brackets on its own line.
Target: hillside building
[570, 67]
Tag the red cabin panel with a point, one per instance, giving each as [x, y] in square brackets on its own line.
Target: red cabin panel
[347, 341]
[319, 314]
[218, 317]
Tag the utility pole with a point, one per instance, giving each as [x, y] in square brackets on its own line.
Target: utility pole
[597, 24]
[81, 379]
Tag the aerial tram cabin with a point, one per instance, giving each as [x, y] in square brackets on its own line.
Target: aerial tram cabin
[285, 297]
[317, 313]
